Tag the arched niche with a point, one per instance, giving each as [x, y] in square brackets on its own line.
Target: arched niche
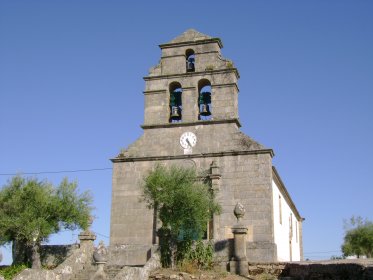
[204, 100]
[176, 106]
[190, 60]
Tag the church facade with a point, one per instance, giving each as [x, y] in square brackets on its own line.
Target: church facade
[191, 119]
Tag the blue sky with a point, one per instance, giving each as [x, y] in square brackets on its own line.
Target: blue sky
[71, 94]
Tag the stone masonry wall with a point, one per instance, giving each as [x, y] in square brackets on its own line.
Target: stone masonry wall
[324, 270]
[223, 96]
[244, 178]
[53, 255]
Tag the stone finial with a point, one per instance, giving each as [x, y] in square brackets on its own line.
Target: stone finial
[100, 253]
[239, 211]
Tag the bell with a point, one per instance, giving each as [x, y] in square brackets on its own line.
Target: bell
[190, 66]
[175, 113]
[204, 110]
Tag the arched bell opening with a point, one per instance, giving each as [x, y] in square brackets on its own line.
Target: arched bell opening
[176, 106]
[190, 60]
[204, 100]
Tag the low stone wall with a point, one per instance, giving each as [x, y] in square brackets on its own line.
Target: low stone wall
[274, 269]
[322, 270]
[53, 255]
[80, 259]
[338, 270]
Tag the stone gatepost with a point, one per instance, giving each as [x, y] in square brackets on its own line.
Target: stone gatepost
[86, 239]
[239, 264]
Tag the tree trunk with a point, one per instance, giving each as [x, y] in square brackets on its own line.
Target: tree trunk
[19, 252]
[35, 256]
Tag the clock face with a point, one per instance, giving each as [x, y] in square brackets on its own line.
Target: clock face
[188, 140]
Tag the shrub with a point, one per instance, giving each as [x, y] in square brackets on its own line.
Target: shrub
[9, 272]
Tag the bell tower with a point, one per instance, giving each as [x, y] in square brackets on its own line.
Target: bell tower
[191, 83]
[191, 119]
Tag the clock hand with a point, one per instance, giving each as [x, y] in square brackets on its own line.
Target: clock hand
[190, 145]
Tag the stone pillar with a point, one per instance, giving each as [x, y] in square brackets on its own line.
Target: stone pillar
[215, 186]
[86, 239]
[190, 104]
[215, 177]
[239, 264]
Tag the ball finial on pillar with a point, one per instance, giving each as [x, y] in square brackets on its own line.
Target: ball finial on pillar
[239, 264]
[239, 212]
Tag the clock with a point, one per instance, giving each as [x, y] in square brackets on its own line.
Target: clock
[188, 140]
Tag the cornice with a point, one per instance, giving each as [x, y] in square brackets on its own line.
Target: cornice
[190, 74]
[154, 91]
[190, 43]
[159, 91]
[183, 55]
[179, 124]
[225, 85]
[202, 155]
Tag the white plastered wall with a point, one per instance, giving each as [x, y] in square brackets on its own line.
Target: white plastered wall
[286, 228]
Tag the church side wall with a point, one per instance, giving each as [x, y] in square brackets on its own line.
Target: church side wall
[286, 228]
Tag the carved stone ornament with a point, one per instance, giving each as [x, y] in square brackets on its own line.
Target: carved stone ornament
[239, 211]
[100, 253]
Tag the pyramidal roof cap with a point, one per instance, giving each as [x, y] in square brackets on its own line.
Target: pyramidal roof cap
[191, 36]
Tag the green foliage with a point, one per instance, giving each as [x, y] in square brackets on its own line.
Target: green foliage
[358, 239]
[10, 272]
[184, 205]
[201, 255]
[31, 210]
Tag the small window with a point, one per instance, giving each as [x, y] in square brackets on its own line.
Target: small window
[175, 102]
[190, 60]
[204, 100]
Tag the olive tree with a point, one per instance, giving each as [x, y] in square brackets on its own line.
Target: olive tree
[31, 210]
[183, 203]
[358, 239]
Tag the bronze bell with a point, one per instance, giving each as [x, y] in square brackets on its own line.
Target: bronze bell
[204, 110]
[190, 66]
[175, 113]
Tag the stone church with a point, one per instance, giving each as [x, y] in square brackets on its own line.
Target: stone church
[191, 119]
